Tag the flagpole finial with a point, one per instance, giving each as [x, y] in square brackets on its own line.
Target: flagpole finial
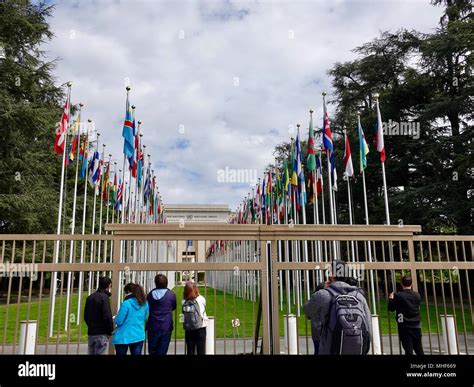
[133, 107]
[311, 111]
[98, 134]
[89, 120]
[139, 122]
[69, 84]
[141, 135]
[298, 126]
[127, 88]
[376, 95]
[358, 112]
[110, 155]
[81, 104]
[323, 93]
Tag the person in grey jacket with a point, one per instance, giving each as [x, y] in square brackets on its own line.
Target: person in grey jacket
[317, 308]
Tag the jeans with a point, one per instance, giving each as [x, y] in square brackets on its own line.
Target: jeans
[410, 338]
[98, 344]
[195, 341]
[135, 348]
[158, 342]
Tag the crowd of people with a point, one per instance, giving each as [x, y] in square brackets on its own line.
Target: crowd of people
[144, 316]
[341, 322]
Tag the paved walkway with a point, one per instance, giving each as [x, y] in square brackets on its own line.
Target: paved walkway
[239, 346]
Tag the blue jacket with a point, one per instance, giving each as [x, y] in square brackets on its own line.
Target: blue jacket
[130, 322]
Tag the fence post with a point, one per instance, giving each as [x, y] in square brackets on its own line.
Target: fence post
[115, 282]
[266, 318]
[412, 264]
[275, 299]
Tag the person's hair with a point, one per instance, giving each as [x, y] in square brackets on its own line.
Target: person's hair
[406, 281]
[339, 266]
[161, 281]
[128, 288]
[138, 292]
[191, 291]
[104, 283]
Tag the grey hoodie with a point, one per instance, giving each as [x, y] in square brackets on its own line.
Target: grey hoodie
[317, 309]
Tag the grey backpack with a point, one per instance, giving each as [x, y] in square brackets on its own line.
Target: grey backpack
[192, 318]
[347, 323]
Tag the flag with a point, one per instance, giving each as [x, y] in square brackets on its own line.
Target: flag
[311, 160]
[319, 176]
[105, 183]
[118, 202]
[348, 168]
[379, 135]
[60, 140]
[328, 145]
[363, 148]
[94, 168]
[127, 134]
[73, 146]
[83, 156]
[113, 191]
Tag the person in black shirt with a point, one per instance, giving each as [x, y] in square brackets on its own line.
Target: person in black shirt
[98, 317]
[407, 306]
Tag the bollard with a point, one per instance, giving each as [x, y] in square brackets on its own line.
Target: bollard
[210, 337]
[449, 334]
[376, 345]
[28, 337]
[291, 334]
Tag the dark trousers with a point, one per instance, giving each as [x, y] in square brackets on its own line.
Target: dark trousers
[410, 338]
[159, 342]
[316, 346]
[195, 341]
[135, 348]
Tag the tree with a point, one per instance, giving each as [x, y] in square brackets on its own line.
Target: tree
[29, 110]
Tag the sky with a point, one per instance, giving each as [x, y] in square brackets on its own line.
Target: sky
[217, 84]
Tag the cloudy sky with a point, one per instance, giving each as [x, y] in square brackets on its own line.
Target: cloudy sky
[217, 84]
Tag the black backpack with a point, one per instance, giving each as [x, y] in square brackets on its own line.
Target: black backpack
[347, 323]
[192, 318]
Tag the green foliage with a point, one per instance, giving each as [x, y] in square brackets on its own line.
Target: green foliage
[29, 110]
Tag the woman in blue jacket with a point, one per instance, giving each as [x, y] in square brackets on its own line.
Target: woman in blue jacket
[130, 321]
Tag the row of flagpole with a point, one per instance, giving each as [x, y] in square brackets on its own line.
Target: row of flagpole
[142, 205]
[288, 206]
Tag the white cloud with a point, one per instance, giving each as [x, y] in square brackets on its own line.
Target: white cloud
[242, 74]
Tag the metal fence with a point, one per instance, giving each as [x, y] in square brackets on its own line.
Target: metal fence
[255, 282]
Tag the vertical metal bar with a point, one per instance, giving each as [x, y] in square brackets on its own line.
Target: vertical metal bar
[115, 282]
[264, 297]
[275, 323]
[435, 298]
[30, 288]
[453, 305]
[426, 299]
[7, 306]
[20, 285]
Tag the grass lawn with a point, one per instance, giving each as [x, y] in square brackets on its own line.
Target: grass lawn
[223, 306]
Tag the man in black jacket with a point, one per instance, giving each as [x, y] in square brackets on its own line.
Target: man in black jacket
[407, 306]
[98, 317]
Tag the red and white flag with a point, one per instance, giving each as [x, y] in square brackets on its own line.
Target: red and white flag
[379, 135]
[60, 140]
[348, 168]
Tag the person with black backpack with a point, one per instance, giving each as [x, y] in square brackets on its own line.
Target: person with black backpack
[194, 320]
[341, 316]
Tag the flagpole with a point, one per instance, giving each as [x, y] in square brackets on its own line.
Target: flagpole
[54, 280]
[113, 209]
[101, 189]
[73, 225]
[107, 204]
[385, 193]
[84, 211]
[331, 204]
[93, 243]
[347, 153]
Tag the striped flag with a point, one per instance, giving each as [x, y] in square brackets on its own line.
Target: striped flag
[379, 135]
[363, 148]
[348, 168]
[329, 146]
[94, 169]
[118, 202]
[319, 176]
[127, 134]
[60, 140]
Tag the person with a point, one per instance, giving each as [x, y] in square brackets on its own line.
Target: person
[130, 321]
[406, 304]
[98, 317]
[315, 324]
[194, 320]
[162, 303]
[329, 309]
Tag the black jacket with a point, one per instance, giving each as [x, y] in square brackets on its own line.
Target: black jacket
[98, 315]
[407, 306]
